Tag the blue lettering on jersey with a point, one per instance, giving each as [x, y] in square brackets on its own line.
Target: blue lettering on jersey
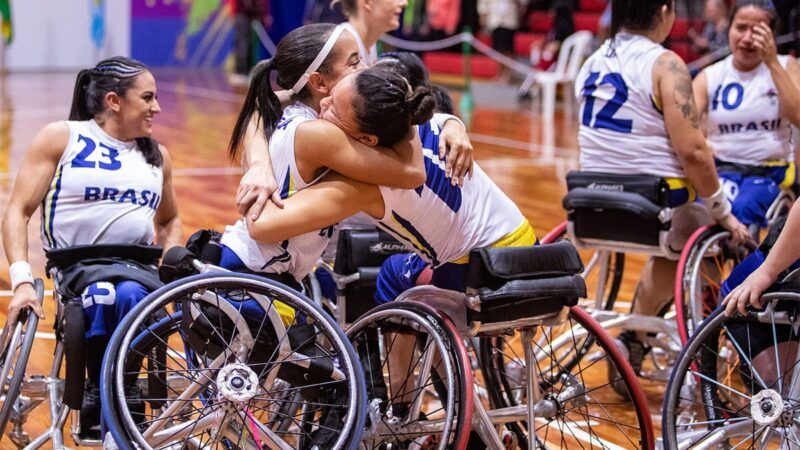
[108, 160]
[766, 125]
[143, 198]
[723, 96]
[435, 177]
[283, 123]
[605, 117]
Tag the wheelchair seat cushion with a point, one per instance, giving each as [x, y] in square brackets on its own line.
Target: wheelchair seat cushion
[520, 299]
[65, 257]
[493, 267]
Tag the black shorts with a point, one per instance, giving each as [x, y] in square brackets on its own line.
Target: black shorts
[503, 40]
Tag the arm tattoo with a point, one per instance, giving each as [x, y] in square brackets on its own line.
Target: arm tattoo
[683, 93]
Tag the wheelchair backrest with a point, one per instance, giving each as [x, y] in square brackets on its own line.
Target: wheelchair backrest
[617, 208]
[362, 252]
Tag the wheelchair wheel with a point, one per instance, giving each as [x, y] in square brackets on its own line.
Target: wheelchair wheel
[17, 343]
[571, 366]
[231, 361]
[706, 261]
[732, 387]
[429, 404]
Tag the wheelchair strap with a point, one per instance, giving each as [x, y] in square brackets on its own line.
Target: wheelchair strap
[73, 280]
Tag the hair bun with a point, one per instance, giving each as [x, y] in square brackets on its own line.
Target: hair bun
[420, 105]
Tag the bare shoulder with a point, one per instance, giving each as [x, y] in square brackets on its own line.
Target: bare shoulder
[51, 140]
[669, 63]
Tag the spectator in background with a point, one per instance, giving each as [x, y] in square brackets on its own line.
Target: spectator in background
[563, 27]
[246, 11]
[715, 32]
[501, 19]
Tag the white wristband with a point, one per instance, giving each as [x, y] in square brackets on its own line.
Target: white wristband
[441, 118]
[717, 204]
[20, 273]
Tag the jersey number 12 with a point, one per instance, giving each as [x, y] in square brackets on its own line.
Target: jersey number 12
[605, 117]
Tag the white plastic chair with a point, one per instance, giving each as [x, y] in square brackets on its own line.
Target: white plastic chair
[564, 71]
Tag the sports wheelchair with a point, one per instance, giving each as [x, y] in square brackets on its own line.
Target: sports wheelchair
[615, 215]
[63, 387]
[736, 382]
[519, 304]
[233, 361]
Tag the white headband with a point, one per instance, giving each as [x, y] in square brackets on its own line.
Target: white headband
[326, 49]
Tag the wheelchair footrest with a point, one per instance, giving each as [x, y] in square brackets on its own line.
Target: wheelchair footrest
[519, 299]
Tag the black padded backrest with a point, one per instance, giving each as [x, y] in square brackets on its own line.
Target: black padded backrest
[655, 189]
[66, 257]
[615, 207]
[362, 251]
[364, 248]
[492, 267]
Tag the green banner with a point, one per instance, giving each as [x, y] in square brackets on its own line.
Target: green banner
[5, 21]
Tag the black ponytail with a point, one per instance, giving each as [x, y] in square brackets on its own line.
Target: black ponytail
[294, 54]
[384, 106]
[638, 15]
[116, 74]
[261, 100]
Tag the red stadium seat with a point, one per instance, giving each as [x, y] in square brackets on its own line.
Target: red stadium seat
[680, 30]
[523, 42]
[453, 63]
[540, 22]
[586, 21]
[592, 5]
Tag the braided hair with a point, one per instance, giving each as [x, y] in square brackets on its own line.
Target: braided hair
[116, 74]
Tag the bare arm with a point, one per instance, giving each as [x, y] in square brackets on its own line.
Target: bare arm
[316, 207]
[785, 252]
[258, 184]
[30, 187]
[700, 88]
[322, 143]
[787, 83]
[674, 87]
[167, 222]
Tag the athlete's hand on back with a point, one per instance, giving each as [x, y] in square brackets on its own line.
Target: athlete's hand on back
[257, 186]
[739, 233]
[24, 297]
[456, 149]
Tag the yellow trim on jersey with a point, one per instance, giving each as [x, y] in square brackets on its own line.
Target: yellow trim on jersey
[657, 104]
[292, 186]
[522, 236]
[49, 205]
[790, 177]
[285, 311]
[682, 183]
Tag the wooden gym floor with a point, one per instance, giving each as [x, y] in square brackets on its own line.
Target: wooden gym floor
[527, 159]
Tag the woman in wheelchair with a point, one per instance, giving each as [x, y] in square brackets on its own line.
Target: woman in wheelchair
[102, 180]
[638, 116]
[750, 100]
[312, 60]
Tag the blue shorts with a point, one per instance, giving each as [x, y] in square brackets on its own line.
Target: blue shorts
[751, 196]
[399, 273]
[105, 304]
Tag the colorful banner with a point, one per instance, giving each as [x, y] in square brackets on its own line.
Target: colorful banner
[6, 30]
[97, 11]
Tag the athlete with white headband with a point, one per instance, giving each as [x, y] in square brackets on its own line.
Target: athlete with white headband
[309, 61]
[367, 21]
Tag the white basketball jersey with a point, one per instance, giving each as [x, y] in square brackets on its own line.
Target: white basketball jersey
[443, 222]
[298, 254]
[622, 130]
[744, 121]
[103, 192]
